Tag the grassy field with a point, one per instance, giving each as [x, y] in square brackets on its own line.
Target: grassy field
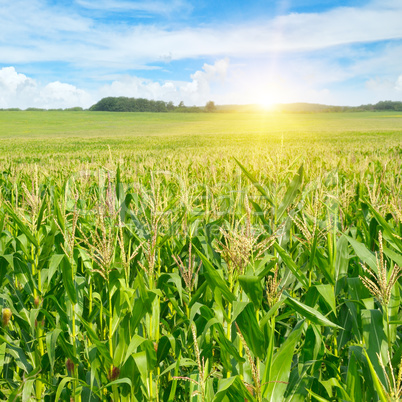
[78, 133]
[200, 257]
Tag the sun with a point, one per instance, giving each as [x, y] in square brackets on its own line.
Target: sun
[267, 103]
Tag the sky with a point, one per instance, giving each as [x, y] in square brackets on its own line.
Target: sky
[59, 53]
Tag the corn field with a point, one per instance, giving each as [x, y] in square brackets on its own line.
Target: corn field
[203, 279]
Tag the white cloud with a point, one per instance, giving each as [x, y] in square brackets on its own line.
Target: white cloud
[60, 95]
[307, 53]
[15, 88]
[222, 82]
[37, 21]
[13, 82]
[18, 90]
[398, 84]
[198, 91]
[136, 87]
[31, 32]
[147, 6]
[195, 92]
[379, 88]
[379, 84]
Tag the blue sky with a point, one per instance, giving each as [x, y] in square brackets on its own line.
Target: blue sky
[73, 53]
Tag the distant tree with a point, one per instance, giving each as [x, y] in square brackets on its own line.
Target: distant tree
[170, 106]
[105, 105]
[160, 106]
[210, 107]
[125, 104]
[74, 109]
[388, 105]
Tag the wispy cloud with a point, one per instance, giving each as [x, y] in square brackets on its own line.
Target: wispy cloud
[307, 50]
[147, 6]
[29, 25]
[36, 19]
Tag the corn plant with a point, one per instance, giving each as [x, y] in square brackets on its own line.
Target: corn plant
[203, 278]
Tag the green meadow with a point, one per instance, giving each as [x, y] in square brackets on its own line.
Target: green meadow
[80, 133]
[200, 257]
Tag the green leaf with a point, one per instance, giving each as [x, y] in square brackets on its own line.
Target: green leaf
[288, 261]
[19, 356]
[342, 258]
[264, 268]
[24, 229]
[125, 380]
[356, 289]
[255, 183]
[270, 354]
[393, 310]
[233, 389]
[280, 368]
[174, 278]
[67, 273]
[309, 312]
[57, 203]
[140, 359]
[61, 386]
[172, 393]
[376, 381]
[388, 230]
[212, 321]
[184, 362]
[327, 293]
[353, 380]
[139, 311]
[317, 397]
[136, 341]
[251, 332]
[272, 311]
[103, 350]
[2, 354]
[164, 345]
[349, 319]
[334, 383]
[149, 348]
[363, 253]
[51, 340]
[393, 256]
[54, 263]
[375, 339]
[40, 214]
[260, 214]
[252, 286]
[290, 193]
[27, 390]
[312, 348]
[213, 278]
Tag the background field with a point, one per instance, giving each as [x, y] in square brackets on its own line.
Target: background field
[80, 134]
[203, 257]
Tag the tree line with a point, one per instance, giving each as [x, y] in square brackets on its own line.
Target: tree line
[319, 108]
[125, 104]
[384, 105]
